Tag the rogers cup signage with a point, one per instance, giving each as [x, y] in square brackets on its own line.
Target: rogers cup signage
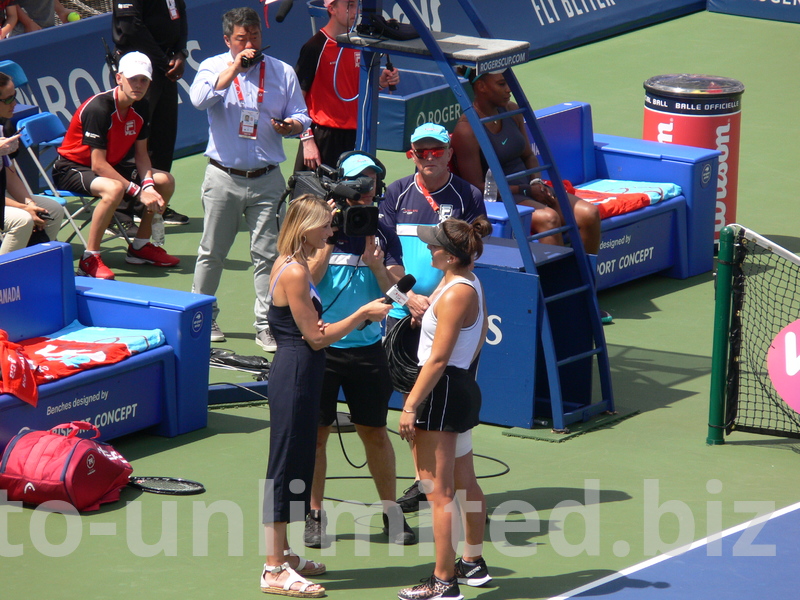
[705, 112]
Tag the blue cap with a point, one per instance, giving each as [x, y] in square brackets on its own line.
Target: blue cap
[431, 130]
[355, 164]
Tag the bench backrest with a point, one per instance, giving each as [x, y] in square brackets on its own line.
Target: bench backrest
[37, 290]
[567, 127]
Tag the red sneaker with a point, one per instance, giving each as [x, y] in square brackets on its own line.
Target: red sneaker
[152, 255]
[93, 266]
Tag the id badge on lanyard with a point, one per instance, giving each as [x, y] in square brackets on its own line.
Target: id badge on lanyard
[248, 124]
[173, 10]
[248, 119]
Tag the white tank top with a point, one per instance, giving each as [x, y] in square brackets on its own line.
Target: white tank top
[468, 338]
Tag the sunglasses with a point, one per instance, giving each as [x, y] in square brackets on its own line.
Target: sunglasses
[10, 99]
[427, 153]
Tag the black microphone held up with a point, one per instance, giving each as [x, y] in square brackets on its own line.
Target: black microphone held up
[396, 293]
[286, 6]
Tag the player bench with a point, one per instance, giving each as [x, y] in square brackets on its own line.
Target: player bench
[674, 236]
[164, 389]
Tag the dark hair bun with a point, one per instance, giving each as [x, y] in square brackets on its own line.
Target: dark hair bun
[482, 226]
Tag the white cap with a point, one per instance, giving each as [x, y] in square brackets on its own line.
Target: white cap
[135, 63]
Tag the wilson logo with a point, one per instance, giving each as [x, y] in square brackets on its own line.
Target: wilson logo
[723, 139]
[665, 132]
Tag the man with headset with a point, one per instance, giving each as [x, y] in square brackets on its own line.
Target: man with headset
[329, 77]
[348, 272]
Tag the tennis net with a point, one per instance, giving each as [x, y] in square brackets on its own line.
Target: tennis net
[762, 282]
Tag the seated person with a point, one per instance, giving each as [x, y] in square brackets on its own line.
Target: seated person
[513, 148]
[21, 213]
[108, 128]
[26, 214]
[34, 15]
[9, 16]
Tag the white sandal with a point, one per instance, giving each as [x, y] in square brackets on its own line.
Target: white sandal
[293, 578]
[306, 567]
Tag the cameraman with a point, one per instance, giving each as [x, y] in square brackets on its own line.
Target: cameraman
[347, 272]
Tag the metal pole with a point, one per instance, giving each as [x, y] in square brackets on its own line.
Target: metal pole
[719, 356]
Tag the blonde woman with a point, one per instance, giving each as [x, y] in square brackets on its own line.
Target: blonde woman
[295, 384]
[445, 402]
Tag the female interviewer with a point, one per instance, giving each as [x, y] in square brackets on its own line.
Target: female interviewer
[295, 386]
[444, 404]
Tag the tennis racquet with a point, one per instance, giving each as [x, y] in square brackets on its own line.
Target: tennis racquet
[167, 485]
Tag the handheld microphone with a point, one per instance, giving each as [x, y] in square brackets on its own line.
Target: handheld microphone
[397, 293]
[286, 6]
[390, 67]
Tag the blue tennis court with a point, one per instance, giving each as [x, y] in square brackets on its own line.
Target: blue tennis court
[751, 560]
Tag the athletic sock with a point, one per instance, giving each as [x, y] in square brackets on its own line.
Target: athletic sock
[139, 243]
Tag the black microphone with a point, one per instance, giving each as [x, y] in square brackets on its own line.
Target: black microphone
[345, 191]
[286, 6]
[396, 293]
[390, 67]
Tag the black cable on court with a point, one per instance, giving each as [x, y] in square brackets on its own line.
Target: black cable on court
[506, 469]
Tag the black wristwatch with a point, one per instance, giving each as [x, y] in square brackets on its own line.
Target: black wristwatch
[183, 51]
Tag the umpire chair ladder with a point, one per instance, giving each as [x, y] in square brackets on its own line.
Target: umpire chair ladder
[556, 298]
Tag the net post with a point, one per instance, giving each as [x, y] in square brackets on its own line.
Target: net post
[719, 357]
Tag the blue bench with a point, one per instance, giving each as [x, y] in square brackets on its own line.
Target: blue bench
[164, 389]
[675, 236]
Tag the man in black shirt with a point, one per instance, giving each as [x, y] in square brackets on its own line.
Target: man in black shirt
[159, 29]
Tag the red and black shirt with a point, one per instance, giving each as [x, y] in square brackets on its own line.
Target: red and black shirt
[98, 124]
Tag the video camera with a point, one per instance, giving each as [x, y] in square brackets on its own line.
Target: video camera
[356, 221]
[327, 182]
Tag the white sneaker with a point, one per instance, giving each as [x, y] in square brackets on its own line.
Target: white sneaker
[266, 341]
[216, 333]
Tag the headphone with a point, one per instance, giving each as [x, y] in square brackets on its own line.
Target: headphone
[380, 186]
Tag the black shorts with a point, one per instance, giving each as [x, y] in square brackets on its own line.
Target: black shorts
[363, 375]
[453, 405]
[331, 142]
[77, 178]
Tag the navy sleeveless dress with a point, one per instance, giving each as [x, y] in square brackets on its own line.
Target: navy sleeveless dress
[295, 389]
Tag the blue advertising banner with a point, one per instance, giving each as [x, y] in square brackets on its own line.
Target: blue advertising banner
[550, 25]
[777, 10]
[65, 65]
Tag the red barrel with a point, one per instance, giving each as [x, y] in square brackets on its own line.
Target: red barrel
[702, 111]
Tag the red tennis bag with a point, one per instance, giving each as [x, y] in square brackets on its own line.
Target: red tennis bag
[38, 466]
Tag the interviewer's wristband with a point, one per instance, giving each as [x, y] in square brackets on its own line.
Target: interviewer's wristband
[146, 183]
[411, 412]
[308, 134]
[133, 189]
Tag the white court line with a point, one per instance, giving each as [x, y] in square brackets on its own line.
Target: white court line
[676, 552]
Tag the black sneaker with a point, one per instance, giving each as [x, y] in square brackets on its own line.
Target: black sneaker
[315, 529]
[432, 588]
[404, 536]
[472, 574]
[411, 498]
[172, 217]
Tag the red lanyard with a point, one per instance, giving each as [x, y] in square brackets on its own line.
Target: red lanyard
[260, 85]
[427, 194]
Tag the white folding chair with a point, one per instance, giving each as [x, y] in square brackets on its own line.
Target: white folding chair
[47, 129]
